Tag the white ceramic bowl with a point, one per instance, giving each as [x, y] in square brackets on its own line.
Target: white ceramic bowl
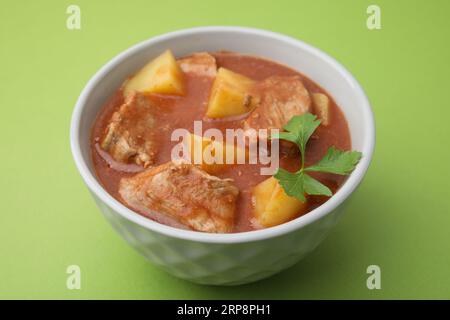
[225, 259]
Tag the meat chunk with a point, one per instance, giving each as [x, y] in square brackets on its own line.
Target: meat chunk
[199, 64]
[129, 136]
[182, 195]
[281, 98]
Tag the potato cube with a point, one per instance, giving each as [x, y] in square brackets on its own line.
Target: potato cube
[272, 206]
[230, 95]
[198, 144]
[161, 75]
[322, 107]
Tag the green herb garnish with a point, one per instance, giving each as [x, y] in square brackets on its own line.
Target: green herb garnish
[298, 130]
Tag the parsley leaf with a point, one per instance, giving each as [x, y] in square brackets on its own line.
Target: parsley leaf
[298, 130]
[298, 183]
[292, 183]
[314, 187]
[337, 161]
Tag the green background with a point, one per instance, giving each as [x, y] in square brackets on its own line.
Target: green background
[399, 218]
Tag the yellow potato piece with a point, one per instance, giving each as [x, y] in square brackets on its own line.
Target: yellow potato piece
[230, 95]
[322, 107]
[161, 75]
[272, 206]
[222, 150]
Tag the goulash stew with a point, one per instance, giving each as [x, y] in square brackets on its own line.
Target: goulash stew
[133, 146]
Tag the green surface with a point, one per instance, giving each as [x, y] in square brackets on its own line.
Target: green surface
[399, 218]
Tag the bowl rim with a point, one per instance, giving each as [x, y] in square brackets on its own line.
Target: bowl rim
[338, 198]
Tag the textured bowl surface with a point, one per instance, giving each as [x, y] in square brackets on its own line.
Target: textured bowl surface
[225, 259]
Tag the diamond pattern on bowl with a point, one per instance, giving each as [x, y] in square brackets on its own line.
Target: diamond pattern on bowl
[221, 264]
